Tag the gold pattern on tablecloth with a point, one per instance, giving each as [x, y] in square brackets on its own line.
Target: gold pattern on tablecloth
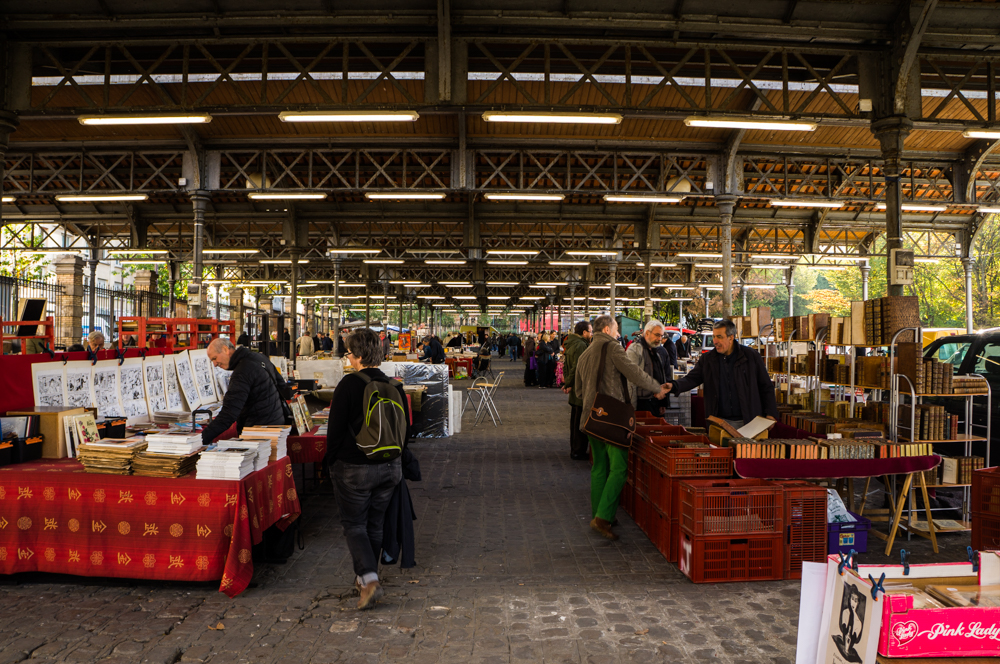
[49, 493]
[73, 525]
[74, 494]
[243, 512]
[292, 495]
[74, 556]
[204, 499]
[150, 498]
[228, 530]
[99, 495]
[124, 527]
[150, 529]
[125, 497]
[201, 563]
[24, 492]
[203, 531]
[148, 560]
[98, 526]
[50, 555]
[97, 558]
[176, 530]
[50, 524]
[24, 523]
[176, 561]
[177, 498]
[124, 558]
[231, 499]
[244, 556]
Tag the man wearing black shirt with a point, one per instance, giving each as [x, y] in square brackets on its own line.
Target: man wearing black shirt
[736, 384]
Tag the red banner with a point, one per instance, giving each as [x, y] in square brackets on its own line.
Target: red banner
[55, 517]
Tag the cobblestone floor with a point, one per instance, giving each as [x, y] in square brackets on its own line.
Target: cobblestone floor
[508, 571]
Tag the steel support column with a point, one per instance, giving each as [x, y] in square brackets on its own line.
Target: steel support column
[334, 320]
[92, 316]
[294, 253]
[891, 132]
[199, 200]
[612, 269]
[967, 266]
[865, 271]
[725, 203]
[791, 290]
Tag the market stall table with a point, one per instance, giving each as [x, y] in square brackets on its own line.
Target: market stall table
[455, 362]
[811, 469]
[56, 517]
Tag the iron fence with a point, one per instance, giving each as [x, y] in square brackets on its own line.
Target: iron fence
[112, 304]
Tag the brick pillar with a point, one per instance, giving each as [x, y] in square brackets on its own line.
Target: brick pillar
[145, 282]
[69, 305]
[236, 309]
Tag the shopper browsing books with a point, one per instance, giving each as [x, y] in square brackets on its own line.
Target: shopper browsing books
[252, 398]
[366, 435]
[736, 385]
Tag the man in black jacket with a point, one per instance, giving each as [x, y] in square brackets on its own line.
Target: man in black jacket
[252, 398]
[736, 384]
[433, 350]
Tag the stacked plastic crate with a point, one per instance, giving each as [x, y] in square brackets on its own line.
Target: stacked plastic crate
[985, 509]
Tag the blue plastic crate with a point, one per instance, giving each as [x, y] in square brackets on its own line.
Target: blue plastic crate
[847, 536]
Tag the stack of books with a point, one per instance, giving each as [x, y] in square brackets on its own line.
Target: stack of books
[260, 446]
[164, 465]
[229, 464]
[110, 456]
[178, 443]
[170, 416]
[278, 435]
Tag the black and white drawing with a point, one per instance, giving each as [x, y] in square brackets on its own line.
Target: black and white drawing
[49, 383]
[222, 381]
[853, 631]
[106, 381]
[186, 379]
[78, 378]
[156, 394]
[175, 401]
[133, 393]
[203, 375]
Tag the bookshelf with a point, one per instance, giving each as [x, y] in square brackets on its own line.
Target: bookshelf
[179, 333]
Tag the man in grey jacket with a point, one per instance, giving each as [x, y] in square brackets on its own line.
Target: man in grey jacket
[607, 476]
[644, 351]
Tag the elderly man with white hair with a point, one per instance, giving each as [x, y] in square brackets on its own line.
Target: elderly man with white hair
[252, 398]
[96, 340]
[646, 352]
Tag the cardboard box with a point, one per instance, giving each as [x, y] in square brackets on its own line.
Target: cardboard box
[50, 425]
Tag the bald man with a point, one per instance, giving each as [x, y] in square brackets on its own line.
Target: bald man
[252, 398]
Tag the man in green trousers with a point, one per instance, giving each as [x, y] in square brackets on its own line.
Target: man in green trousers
[607, 477]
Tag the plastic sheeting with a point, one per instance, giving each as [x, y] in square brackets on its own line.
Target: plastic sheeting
[432, 420]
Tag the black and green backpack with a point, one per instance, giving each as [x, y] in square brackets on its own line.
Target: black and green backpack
[383, 430]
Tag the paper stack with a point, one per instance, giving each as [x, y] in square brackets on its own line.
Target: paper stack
[230, 464]
[261, 446]
[170, 416]
[164, 465]
[278, 435]
[173, 443]
[110, 456]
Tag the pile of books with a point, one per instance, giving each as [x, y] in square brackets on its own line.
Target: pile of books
[261, 447]
[170, 416]
[164, 465]
[178, 443]
[276, 434]
[110, 456]
[228, 464]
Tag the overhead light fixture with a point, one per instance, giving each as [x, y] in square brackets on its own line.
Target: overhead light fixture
[404, 282]
[640, 264]
[926, 260]
[712, 286]
[569, 263]
[352, 250]
[775, 257]
[709, 266]
[721, 122]
[128, 252]
[506, 262]
[141, 261]
[455, 283]
[531, 297]
[498, 297]
[761, 286]
[825, 267]
[229, 251]
[668, 285]
[443, 261]
[502, 283]
[806, 203]
[6, 199]
[982, 133]
[984, 210]
[463, 297]
[514, 196]
[623, 283]
[383, 261]
[343, 284]
[676, 299]
[404, 196]
[642, 198]
[512, 252]
[286, 196]
[916, 207]
[348, 116]
[281, 261]
[95, 198]
[158, 119]
[551, 283]
[431, 297]
[699, 255]
[591, 252]
[553, 118]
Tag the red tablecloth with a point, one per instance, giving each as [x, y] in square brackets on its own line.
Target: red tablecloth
[55, 517]
[806, 469]
[309, 448]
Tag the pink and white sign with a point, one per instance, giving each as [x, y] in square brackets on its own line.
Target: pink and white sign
[966, 631]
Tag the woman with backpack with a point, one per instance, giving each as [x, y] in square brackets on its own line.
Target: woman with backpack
[367, 432]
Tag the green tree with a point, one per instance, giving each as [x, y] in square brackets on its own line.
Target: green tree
[19, 263]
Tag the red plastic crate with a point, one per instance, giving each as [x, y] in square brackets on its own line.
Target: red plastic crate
[664, 429]
[985, 532]
[659, 530]
[659, 490]
[986, 491]
[675, 541]
[711, 559]
[641, 509]
[642, 473]
[689, 461]
[731, 507]
[806, 532]
[628, 496]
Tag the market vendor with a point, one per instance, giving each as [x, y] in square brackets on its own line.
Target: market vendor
[737, 387]
[252, 398]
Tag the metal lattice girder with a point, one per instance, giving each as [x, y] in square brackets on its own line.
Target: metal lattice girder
[86, 172]
[231, 74]
[838, 178]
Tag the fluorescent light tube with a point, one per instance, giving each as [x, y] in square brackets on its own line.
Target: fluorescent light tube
[982, 133]
[916, 207]
[552, 118]
[352, 250]
[383, 261]
[749, 123]
[285, 196]
[6, 199]
[91, 198]
[142, 261]
[697, 255]
[524, 197]
[591, 252]
[126, 252]
[441, 261]
[229, 251]
[709, 266]
[502, 283]
[167, 118]
[506, 262]
[657, 264]
[404, 196]
[642, 198]
[512, 252]
[805, 203]
[281, 261]
[569, 263]
[348, 116]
